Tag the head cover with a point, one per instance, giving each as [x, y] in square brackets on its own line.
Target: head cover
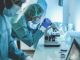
[33, 11]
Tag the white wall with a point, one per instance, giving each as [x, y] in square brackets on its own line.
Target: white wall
[77, 15]
[72, 13]
[54, 11]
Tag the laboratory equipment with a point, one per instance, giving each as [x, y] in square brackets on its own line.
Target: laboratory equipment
[50, 38]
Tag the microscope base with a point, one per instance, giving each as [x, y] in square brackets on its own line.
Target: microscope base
[51, 44]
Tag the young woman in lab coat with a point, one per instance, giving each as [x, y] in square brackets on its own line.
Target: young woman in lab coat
[7, 46]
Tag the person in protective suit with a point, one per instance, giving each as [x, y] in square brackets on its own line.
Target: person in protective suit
[7, 46]
[29, 28]
[10, 10]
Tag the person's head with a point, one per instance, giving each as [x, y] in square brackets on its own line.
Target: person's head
[33, 15]
[34, 12]
[9, 3]
[1, 6]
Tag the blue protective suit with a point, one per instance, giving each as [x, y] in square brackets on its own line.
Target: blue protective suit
[7, 46]
[24, 33]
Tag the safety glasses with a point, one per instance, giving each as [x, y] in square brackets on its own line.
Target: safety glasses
[36, 19]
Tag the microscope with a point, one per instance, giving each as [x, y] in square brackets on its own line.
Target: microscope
[50, 39]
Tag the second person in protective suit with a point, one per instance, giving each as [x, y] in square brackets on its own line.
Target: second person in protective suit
[7, 46]
[29, 28]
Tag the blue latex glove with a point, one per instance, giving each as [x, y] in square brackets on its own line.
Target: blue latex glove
[46, 22]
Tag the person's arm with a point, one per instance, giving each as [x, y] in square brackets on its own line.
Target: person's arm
[36, 36]
[27, 37]
[14, 52]
[24, 34]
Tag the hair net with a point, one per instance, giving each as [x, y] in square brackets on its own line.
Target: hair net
[32, 11]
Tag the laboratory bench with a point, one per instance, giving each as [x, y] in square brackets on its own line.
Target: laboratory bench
[54, 53]
[62, 52]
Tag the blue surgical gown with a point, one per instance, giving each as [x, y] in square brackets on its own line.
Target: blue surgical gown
[7, 46]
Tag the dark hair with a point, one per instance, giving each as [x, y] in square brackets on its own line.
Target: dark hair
[1, 6]
[33, 9]
[9, 3]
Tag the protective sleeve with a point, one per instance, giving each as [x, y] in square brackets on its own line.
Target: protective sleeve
[14, 52]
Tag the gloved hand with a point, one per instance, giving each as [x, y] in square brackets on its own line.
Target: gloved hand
[46, 22]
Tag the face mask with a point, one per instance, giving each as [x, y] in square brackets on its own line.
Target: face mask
[32, 25]
[36, 20]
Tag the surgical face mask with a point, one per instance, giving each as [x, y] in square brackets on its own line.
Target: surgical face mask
[36, 20]
[33, 25]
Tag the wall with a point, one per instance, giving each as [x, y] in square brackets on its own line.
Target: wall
[71, 13]
[54, 11]
[77, 16]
